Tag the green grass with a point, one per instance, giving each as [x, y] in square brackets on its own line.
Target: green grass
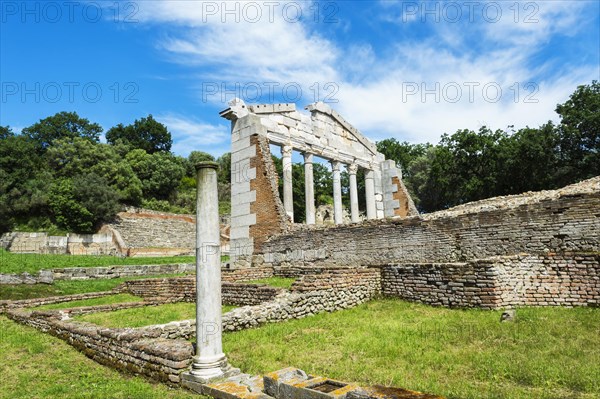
[278, 282]
[146, 316]
[547, 353]
[105, 300]
[37, 365]
[32, 263]
[64, 287]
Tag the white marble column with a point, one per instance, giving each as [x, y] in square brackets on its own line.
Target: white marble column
[370, 194]
[288, 190]
[352, 169]
[338, 215]
[210, 361]
[309, 188]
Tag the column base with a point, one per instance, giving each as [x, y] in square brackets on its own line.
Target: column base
[205, 373]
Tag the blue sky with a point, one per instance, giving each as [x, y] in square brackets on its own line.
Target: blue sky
[405, 69]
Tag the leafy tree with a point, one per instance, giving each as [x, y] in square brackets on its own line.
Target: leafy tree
[402, 153]
[73, 157]
[82, 203]
[60, 126]
[5, 132]
[146, 134]
[579, 132]
[160, 173]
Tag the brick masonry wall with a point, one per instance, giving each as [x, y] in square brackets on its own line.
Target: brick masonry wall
[568, 223]
[254, 273]
[184, 289]
[520, 280]
[271, 218]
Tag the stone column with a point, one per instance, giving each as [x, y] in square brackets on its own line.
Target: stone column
[288, 191]
[352, 169]
[210, 362]
[337, 193]
[370, 194]
[309, 188]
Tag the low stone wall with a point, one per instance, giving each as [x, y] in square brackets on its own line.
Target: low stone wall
[184, 290]
[249, 274]
[27, 303]
[74, 244]
[129, 350]
[43, 277]
[569, 279]
[108, 272]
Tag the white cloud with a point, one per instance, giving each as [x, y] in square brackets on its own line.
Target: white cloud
[190, 134]
[372, 85]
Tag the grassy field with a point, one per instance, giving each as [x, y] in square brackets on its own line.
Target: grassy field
[547, 353]
[32, 263]
[37, 365]
[278, 282]
[146, 316]
[63, 287]
[104, 300]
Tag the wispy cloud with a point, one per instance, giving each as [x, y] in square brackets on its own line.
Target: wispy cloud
[477, 54]
[191, 134]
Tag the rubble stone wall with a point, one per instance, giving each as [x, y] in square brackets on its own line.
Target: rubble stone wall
[129, 350]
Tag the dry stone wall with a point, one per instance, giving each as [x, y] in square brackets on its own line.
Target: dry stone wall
[130, 350]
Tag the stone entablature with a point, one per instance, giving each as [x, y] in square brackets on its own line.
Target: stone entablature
[324, 134]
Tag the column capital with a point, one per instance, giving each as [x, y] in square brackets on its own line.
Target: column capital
[336, 165]
[352, 169]
[308, 157]
[286, 150]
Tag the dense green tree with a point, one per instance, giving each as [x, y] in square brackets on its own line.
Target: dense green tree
[579, 133]
[81, 204]
[5, 132]
[146, 134]
[160, 173]
[63, 125]
[75, 157]
[402, 153]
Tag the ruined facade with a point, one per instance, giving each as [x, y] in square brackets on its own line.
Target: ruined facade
[257, 211]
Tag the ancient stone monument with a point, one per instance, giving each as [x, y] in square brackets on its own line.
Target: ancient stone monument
[210, 362]
[257, 212]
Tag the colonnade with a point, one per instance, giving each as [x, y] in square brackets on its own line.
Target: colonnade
[288, 195]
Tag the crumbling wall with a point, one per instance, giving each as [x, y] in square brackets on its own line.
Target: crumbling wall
[567, 222]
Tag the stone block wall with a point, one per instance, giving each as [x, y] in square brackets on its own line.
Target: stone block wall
[571, 279]
[74, 244]
[149, 233]
[566, 223]
[249, 274]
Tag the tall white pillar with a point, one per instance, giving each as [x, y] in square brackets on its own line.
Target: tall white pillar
[288, 190]
[352, 169]
[210, 362]
[370, 194]
[338, 216]
[309, 188]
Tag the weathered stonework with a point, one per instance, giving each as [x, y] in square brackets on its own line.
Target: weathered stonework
[257, 211]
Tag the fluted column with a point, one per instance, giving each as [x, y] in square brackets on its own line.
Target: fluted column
[370, 194]
[309, 188]
[338, 216]
[288, 190]
[352, 169]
